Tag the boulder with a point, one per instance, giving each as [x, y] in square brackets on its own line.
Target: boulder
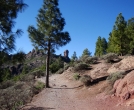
[124, 88]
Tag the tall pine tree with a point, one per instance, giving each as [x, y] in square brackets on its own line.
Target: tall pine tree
[49, 34]
[101, 46]
[118, 39]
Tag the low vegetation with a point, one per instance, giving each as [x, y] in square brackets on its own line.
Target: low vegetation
[86, 80]
[80, 66]
[15, 94]
[115, 76]
[110, 57]
[76, 76]
[39, 86]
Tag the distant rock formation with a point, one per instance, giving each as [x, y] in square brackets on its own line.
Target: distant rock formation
[34, 53]
[66, 52]
[65, 57]
[34, 59]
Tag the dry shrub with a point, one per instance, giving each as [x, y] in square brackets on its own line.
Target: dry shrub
[91, 60]
[115, 76]
[6, 84]
[88, 59]
[110, 57]
[83, 58]
[15, 96]
[86, 80]
[27, 77]
[76, 76]
[39, 85]
[80, 66]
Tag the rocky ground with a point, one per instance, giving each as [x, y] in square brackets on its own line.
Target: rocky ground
[67, 94]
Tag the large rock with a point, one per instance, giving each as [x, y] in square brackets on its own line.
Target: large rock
[99, 71]
[124, 88]
[124, 65]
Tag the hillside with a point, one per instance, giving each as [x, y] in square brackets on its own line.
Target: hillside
[111, 88]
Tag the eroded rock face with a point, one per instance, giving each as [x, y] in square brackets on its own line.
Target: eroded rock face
[124, 88]
[124, 65]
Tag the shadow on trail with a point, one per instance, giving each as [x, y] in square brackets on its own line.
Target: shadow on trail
[40, 108]
[65, 87]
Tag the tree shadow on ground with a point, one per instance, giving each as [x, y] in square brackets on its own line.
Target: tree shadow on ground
[65, 87]
[40, 108]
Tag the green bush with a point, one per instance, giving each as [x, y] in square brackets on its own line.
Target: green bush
[39, 85]
[5, 74]
[76, 76]
[115, 76]
[80, 66]
[56, 65]
[86, 80]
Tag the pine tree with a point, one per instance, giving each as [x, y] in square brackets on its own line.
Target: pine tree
[118, 38]
[104, 45]
[74, 56]
[101, 46]
[98, 49]
[9, 10]
[130, 34]
[49, 35]
[86, 52]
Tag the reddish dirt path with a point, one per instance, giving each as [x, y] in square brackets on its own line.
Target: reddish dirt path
[67, 94]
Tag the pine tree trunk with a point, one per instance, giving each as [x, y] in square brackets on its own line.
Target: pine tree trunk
[47, 66]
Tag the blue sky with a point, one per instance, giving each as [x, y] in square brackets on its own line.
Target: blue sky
[85, 21]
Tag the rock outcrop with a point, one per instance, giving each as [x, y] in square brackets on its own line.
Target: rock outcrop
[124, 88]
[124, 65]
[34, 53]
[65, 57]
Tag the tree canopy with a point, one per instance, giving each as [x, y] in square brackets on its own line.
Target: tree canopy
[9, 10]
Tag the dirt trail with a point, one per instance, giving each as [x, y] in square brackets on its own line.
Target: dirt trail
[66, 94]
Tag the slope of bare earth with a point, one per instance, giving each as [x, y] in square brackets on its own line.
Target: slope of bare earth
[67, 94]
